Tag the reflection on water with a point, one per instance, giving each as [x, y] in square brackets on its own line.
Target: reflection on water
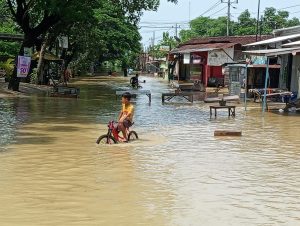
[177, 174]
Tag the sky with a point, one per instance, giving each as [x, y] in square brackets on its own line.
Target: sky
[169, 14]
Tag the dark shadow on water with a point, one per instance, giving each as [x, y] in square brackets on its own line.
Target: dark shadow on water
[289, 114]
[63, 128]
[41, 140]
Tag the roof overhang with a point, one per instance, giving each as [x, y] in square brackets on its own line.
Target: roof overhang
[297, 43]
[273, 52]
[274, 40]
[176, 51]
[276, 66]
[204, 47]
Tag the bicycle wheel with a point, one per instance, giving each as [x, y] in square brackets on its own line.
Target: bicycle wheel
[132, 136]
[105, 139]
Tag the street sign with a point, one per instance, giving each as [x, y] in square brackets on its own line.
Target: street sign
[63, 42]
[23, 66]
[164, 48]
[27, 52]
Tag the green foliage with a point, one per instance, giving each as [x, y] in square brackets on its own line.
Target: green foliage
[8, 66]
[7, 48]
[245, 25]
[157, 51]
[34, 76]
[98, 30]
[205, 26]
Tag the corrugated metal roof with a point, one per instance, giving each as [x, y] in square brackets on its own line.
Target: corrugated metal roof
[243, 40]
[272, 52]
[274, 40]
[202, 47]
[286, 29]
[297, 43]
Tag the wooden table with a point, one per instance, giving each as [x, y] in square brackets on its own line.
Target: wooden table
[135, 93]
[189, 96]
[231, 110]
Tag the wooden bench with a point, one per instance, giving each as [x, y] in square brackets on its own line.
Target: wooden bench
[230, 108]
[64, 91]
[135, 93]
[189, 96]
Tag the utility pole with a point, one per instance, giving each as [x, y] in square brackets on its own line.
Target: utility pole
[176, 29]
[257, 22]
[189, 11]
[153, 39]
[229, 3]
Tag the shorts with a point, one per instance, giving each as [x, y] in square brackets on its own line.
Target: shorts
[127, 123]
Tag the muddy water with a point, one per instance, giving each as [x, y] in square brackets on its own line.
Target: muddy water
[52, 173]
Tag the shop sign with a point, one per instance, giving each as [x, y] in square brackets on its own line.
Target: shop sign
[63, 42]
[220, 57]
[23, 66]
[196, 59]
[186, 58]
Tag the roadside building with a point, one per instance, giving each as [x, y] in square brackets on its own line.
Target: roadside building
[282, 50]
[204, 59]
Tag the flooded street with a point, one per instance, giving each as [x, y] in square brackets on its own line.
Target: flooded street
[178, 173]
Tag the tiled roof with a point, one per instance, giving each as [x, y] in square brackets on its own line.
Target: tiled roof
[243, 40]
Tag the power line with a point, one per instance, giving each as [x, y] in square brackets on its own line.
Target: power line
[229, 4]
[289, 7]
[155, 27]
[211, 8]
[151, 31]
[217, 11]
[164, 23]
[295, 12]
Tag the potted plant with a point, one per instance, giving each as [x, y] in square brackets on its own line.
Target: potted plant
[222, 102]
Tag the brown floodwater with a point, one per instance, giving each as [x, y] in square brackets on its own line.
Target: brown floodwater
[178, 173]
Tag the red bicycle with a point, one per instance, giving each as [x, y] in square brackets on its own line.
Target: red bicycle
[113, 135]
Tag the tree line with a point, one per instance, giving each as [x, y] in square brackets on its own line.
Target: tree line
[245, 25]
[97, 30]
[213, 27]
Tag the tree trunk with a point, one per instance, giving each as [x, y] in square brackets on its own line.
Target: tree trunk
[40, 66]
[14, 81]
[125, 72]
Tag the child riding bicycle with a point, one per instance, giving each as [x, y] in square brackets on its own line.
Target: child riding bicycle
[126, 115]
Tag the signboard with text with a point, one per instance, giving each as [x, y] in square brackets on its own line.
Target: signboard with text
[220, 57]
[23, 66]
[27, 52]
[63, 42]
[186, 58]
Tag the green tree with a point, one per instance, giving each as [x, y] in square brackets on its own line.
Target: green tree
[204, 27]
[37, 18]
[246, 25]
[167, 42]
[273, 19]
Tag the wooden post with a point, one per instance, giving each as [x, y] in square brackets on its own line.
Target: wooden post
[266, 86]
[222, 133]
